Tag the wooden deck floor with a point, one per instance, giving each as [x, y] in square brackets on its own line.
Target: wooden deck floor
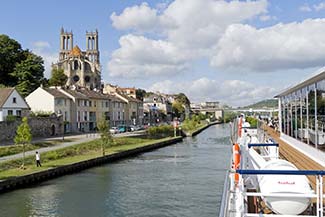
[291, 154]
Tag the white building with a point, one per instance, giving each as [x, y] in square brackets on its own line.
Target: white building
[51, 100]
[12, 103]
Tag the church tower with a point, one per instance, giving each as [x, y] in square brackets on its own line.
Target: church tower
[92, 46]
[66, 44]
[81, 67]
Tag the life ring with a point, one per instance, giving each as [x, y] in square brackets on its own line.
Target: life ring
[236, 160]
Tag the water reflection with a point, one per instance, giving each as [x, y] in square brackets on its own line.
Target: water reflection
[180, 180]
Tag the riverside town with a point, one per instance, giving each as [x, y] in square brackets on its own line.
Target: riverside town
[162, 108]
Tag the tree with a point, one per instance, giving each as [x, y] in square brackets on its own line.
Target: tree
[105, 135]
[11, 53]
[178, 108]
[29, 73]
[23, 136]
[58, 77]
[182, 98]
[18, 67]
[140, 93]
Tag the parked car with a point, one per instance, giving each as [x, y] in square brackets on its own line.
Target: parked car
[124, 128]
[114, 130]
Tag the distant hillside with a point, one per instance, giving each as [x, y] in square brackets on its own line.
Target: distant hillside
[269, 103]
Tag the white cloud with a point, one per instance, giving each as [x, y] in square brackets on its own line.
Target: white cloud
[232, 92]
[305, 8]
[141, 18]
[139, 57]
[283, 46]
[320, 6]
[189, 27]
[41, 48]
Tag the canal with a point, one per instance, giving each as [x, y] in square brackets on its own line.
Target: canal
[185, 179]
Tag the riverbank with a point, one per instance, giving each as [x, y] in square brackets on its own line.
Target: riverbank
[77, 163]
[199, 130]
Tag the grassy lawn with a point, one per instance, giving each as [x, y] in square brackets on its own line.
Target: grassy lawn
[15, 149]
[72, 154]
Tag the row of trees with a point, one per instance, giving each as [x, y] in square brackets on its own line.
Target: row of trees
[23, 69]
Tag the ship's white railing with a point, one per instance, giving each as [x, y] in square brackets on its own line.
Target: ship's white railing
[225, 196]
[318, 195]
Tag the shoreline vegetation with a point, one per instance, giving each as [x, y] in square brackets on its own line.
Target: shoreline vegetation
[72, 154]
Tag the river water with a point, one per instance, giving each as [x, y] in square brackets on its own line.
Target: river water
[185, 179]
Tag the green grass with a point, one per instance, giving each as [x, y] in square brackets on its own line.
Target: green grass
[15, 149]
[69, 155]
[190, 126]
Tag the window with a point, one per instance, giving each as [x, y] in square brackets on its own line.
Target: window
[65, 102]
[78, 116]
[59, 102]
[85, 116]
[107, 105]
[107, 116]
[78, 102]
[14, 100]
[90, 103]
[95, 103]
[10, 112]
[65, 116]
[18, 113]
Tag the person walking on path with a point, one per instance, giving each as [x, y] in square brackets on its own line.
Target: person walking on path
[38, 159]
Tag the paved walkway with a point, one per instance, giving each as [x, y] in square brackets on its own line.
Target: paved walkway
[77, 139]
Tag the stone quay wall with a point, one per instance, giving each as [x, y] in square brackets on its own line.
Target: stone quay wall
[40, 127]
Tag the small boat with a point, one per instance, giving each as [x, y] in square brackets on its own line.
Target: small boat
[259, 183]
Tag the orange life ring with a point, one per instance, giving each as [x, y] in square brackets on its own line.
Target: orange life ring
[236, 160]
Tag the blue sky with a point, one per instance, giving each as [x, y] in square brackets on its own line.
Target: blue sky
[236, 52]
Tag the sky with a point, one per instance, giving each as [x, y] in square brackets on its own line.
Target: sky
[235, 52]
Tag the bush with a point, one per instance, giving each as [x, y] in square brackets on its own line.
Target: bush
[252, 121]
[160, 131]
[11, 118]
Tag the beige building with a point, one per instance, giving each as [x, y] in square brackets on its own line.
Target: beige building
[81, 67]
[133, 109]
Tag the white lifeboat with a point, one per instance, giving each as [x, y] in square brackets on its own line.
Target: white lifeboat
[284, 184]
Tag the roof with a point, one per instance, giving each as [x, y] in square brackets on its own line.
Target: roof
[128, 98]
[4, 94]
[312, 80]
[56, 93]
[92, 94]
[75, 94]
[76, 52]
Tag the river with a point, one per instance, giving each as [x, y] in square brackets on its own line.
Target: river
[185, 179]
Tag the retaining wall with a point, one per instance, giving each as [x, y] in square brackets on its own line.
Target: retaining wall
[31, 179]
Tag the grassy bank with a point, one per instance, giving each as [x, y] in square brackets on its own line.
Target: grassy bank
[190, 126]
[72, 154]
[15, 149]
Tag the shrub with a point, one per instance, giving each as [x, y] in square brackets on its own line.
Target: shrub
[160, 131]
[252, 121]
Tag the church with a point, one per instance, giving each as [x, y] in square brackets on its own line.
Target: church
[81, 67]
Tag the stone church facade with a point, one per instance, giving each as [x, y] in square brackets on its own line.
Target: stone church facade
[81, 67]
